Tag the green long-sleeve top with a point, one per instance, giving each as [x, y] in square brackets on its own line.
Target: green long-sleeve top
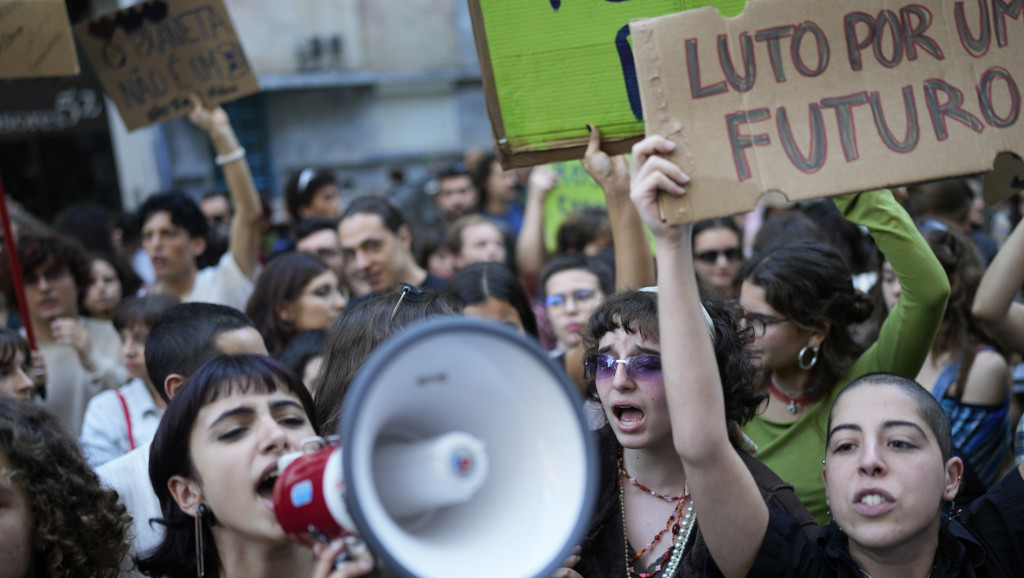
[795, 450]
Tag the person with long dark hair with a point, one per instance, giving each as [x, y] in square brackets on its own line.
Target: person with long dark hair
[213, 465]
[296, 292]
[802, 306]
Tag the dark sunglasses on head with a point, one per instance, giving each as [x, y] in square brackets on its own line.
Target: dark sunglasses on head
[638, 367]
[711, 257]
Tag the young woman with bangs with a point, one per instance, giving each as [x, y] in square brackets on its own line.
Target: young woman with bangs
[212, 465]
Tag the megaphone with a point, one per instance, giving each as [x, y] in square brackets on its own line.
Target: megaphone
[464, 452]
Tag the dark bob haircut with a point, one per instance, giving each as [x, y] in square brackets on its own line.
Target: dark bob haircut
[220, 377]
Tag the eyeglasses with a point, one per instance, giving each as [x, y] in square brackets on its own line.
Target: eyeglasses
[759, 323]
[638, 367]
[731, 255]
[578, 296]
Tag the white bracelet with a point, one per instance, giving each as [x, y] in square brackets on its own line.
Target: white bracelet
[235, 155]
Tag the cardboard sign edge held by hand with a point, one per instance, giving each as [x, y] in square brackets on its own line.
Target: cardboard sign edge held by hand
[174, 102]
[716, 195]
[510, 151]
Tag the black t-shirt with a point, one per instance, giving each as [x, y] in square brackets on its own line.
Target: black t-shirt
[431, 282]
[990, 544]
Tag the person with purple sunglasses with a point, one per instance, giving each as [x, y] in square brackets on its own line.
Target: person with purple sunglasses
[644, 524]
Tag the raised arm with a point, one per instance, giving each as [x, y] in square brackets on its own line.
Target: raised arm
[244, 243]
[994, 307]
[634, 264]
[907, 333]
[530, 253]
[731, 512]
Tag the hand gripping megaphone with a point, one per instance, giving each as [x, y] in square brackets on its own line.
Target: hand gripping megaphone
[464, 452]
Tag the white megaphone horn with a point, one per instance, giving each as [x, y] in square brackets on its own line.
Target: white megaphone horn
[464, 453]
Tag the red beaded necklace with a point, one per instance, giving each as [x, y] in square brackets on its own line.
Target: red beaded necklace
[624, 474]
[674, 553]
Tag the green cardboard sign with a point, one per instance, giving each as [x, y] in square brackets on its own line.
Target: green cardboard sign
[575, 190]
[550, 67]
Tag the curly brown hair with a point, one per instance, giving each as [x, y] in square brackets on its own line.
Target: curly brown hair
[636, 312]
[39, 250]
[80, 528]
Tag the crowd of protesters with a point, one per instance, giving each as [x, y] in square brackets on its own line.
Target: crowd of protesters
[837, 372]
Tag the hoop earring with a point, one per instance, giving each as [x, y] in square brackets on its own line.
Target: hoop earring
[200, 550]
[803, 353]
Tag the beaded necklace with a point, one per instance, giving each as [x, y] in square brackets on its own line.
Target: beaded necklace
[680, 523]
[624, 474]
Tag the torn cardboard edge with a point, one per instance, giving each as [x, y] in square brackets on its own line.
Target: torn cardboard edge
[1005, 179]
[949, 139]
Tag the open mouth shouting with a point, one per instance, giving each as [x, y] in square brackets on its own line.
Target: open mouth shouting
[628, 417]
[873, 502]
[265, 487]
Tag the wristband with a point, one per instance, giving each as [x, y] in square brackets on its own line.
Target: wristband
[235, 155]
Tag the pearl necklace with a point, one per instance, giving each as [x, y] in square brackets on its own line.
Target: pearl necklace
[680, 536]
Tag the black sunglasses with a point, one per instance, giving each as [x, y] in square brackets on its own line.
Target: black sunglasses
[711, 257]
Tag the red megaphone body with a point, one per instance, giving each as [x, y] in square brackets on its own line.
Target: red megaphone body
[309, 495]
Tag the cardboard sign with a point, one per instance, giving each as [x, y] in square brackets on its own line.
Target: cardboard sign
[1006, 178]
[151, 56]
[804, 98]
[551, 67]
[35, 39]
[575, 190]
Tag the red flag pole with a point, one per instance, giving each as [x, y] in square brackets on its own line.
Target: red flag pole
[16, 280]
